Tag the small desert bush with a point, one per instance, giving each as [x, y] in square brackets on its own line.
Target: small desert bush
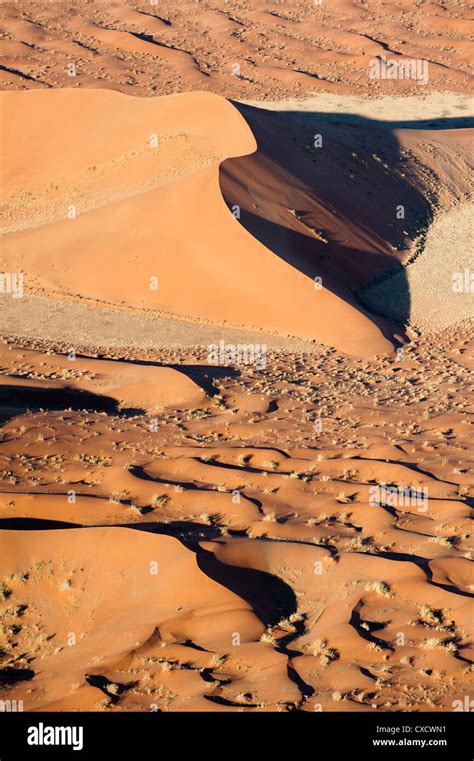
[159, 499]
[381, 587]
[325, 653]
[4, 592]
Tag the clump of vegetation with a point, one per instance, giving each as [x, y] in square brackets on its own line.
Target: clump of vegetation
[269, 517]
[20, 578]
[325, 653]
[4, 591]
[444, 541]
[216, 661]
[270, 464]
[434, 617]
[381, 587]
[447, 644]
[267, 637]
[113, 688]
[159, 499]
[117, 496]
[13, 611]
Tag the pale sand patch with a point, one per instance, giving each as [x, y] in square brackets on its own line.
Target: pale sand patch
[79, 324]
[436, 301]
[432, 106]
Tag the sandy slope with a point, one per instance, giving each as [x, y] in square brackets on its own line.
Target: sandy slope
[244, 49]
[176, 535]
[118, 384]
[181, 226]
[133, 578]
[121, 225]
[106, 148]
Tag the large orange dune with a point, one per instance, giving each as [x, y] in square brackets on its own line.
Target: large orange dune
[116, 215]
[161, 226]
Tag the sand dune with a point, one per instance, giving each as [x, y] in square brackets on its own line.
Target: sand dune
[87, 563]
[198, 565]
[123, 147]
[82, 223]
[269, 51]
[180, 533]
[119, 384]
[182, 225]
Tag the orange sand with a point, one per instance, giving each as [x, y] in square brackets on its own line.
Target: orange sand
[177, 535]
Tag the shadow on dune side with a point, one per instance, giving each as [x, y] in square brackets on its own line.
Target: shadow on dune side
[443, 123]
[332, 211]
[16, 400]
[270, 597]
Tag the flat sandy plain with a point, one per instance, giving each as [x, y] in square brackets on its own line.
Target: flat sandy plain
[287, 534]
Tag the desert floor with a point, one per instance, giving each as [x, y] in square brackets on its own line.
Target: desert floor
[287, 533]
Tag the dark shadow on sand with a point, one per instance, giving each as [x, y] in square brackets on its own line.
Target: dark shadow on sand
[340, 174]
[17, 400]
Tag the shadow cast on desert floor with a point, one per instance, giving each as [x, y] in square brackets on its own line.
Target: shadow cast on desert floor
[16, 400]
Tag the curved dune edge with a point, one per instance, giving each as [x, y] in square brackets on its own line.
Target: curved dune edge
[106, 620]
[132, 579]
[109, 384]
[112, 249]
[108, 146]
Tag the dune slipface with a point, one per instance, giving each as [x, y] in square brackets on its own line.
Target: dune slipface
[134, 250]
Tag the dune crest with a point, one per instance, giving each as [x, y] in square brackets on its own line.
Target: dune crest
[133, 250]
